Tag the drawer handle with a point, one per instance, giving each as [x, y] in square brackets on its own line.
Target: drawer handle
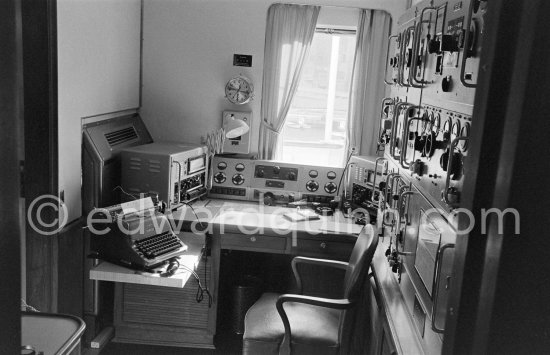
[252, 239]
[323, 245]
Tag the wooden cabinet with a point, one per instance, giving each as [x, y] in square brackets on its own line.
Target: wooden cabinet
[381, 342]
[324, 248]
[166, 316]
[261, 243]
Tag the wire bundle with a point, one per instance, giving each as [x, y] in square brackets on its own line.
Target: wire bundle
[215, 141]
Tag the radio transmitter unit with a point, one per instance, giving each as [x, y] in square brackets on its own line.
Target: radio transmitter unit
[176, 172]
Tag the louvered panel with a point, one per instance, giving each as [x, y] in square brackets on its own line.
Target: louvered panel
[154, 166]
[144, 304]
[121, 136]
[135, 163]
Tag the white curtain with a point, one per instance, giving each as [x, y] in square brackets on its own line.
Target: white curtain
[367, 86]
[289, 32]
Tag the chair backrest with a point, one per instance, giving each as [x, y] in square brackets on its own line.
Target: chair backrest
[360, 260]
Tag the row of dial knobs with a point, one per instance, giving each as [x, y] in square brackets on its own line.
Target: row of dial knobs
[220, 178]
[313, 186]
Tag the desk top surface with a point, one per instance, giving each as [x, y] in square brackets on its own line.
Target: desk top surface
[247, 217]
[218, 217]
[106, 271]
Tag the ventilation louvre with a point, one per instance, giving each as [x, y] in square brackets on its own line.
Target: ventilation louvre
[121, 136]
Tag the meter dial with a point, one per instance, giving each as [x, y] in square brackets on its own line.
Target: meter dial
[429, 147]
[464, 132]
[426, 124]
[222, 165]
[386, 110]
[455, 130]
[313, 173]
[239, 167]
[331, 175]
[447, 129]
[436, 126]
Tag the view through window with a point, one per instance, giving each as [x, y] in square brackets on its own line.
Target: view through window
[316, 125]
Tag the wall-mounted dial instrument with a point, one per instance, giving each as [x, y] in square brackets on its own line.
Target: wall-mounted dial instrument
[239, 90]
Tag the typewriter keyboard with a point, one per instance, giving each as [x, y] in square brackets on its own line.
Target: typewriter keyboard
[158, 245]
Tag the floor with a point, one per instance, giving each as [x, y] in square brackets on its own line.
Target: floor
[233, 266]
[227, 345]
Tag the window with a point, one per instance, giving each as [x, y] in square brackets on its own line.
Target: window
[315, 129]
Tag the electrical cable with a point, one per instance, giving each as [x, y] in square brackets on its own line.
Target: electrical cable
[174, 265]
[201, 290]
[126, 193]
[194, 213]
[344, 171]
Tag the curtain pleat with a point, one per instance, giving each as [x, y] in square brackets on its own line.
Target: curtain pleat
[289, 32]
[367, 86]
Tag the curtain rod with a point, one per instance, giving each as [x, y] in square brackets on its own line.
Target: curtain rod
[331, 31]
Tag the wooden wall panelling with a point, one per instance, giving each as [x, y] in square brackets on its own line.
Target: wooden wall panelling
[70, 270]
[10, 99]
[40, 115]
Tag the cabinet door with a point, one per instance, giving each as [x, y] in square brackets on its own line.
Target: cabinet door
[381, 341]
[376, 330]
[165, 316]
[387, 347]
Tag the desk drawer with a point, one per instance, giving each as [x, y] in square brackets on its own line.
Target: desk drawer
[260, 243]
[324, 248]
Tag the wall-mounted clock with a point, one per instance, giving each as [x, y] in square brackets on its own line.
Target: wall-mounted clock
[239, 90]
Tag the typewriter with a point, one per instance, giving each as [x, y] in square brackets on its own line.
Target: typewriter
[134, 234]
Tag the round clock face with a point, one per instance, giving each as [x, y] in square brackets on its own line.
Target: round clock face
[239, 90]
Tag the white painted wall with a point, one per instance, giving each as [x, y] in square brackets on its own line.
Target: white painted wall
[188, 52]
[98, 73]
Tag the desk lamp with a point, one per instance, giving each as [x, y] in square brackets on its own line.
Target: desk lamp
[234, 127]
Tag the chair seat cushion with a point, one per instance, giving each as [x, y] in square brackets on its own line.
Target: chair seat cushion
[310, 325]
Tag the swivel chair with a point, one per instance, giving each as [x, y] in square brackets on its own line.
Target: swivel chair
[300, 324]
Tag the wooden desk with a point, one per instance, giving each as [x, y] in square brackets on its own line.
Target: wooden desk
[249, 226]
[170, 316]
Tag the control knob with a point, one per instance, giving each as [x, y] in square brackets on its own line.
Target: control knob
[237, 179]
[276, 169]
[260, 173]
[417, 167]
[330, 187]
[219, 178]
[312, 185]
[269, 199]
[453, 195]
[433, 46]
[291, 176]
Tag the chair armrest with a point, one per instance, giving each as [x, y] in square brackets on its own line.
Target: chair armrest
[342, 265]
[315, 301]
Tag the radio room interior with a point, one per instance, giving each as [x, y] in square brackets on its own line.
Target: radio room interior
[226, 177]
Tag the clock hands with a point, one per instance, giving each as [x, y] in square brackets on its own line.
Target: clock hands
[235, 94]
[238, 90]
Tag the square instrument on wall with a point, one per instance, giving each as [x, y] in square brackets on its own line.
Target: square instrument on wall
[239, 144]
